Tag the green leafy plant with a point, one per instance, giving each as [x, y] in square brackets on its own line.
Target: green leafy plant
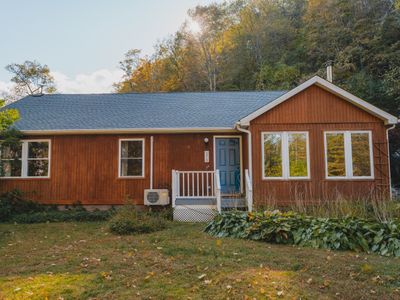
[347, 233]
[63, 216]
[13, 203]
[14, 207]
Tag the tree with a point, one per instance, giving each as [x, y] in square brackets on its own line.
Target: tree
[7, 117]
[9, 137]
[31, 78]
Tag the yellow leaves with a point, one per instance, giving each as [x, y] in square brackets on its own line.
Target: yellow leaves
[106, 275]
[218, 243]
[366, 268]
[149, 275]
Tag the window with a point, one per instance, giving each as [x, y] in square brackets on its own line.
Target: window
[131, 163]
[285, 155]
[348, 154]
[26, 159]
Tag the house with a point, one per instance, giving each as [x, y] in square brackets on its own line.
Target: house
[209, 150]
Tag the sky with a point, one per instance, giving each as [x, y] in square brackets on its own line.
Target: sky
[82, 41]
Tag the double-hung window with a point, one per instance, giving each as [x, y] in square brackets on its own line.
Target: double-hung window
[285, 155]
[131, 158]
[28, 158]
[348, 155]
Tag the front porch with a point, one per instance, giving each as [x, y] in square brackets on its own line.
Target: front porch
[197, 195]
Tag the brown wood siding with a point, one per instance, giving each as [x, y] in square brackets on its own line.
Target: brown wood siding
[316, 110]
[85, 168]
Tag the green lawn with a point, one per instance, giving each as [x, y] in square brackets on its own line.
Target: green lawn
[84, 260]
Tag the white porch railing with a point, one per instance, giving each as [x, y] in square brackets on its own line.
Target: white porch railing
[249, 191]
[196, 185]
[218, 190]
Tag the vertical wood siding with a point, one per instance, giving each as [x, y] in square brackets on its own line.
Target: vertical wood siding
[85, 168]
[316, 110]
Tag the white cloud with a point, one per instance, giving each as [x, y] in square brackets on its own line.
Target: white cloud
[99, 81]
[5, 87]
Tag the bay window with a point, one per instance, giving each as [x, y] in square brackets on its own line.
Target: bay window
[348, 155]
[285, 155]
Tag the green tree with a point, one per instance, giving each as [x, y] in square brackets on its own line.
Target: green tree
[7, 117]
[31, 78]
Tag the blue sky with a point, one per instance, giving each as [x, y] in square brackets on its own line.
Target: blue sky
[84, 39]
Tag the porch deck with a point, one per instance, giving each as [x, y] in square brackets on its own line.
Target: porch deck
[197, 197]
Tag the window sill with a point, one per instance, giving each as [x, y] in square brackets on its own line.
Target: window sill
[286, 179]
[130, 177]
[350, 179]
[25, 178]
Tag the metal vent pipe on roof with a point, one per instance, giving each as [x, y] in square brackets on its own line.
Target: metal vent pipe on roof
[329, 73]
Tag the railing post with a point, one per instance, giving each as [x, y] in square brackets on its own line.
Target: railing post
[174, 184]
[249, 191]
[218, 190]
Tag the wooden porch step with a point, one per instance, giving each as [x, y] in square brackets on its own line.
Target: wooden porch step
[228, 202]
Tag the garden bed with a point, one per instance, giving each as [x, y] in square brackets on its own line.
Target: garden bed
[347, 233]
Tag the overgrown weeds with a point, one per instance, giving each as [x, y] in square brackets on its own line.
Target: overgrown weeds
[130, 219]
[381, 210]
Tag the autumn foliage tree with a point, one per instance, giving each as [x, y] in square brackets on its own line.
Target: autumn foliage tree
[277, 44]
[30, 78]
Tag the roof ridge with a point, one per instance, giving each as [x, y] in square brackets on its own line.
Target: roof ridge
[153, 93]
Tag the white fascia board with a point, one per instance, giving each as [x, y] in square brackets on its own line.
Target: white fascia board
[326, 85]
[128, 130]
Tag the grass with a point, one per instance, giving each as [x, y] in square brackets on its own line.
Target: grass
[84, 260]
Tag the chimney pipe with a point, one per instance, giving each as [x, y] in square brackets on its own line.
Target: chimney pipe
[329, 73]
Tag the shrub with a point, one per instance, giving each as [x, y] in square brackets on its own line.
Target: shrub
[13, 203]
[15, 208]
[347, 233]
[63, 216]
[130, 220]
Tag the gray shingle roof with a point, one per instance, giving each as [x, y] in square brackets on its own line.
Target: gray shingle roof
[134, 111]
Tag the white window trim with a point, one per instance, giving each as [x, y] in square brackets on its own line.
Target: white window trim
[143, 157]
[24, 161]
[348, 155]
[285, 155]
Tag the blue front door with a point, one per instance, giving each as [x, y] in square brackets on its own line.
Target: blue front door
[228, 163]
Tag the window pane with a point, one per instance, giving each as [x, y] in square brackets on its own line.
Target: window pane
[272, 155]
[10, 168]
[11, 151]
[38, 168]
[131, 167]
[131, 149]
[38, 149]
[335, 154]
[360, 154]
[298, 155]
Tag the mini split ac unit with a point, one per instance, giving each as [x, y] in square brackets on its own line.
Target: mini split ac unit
[156, 197]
